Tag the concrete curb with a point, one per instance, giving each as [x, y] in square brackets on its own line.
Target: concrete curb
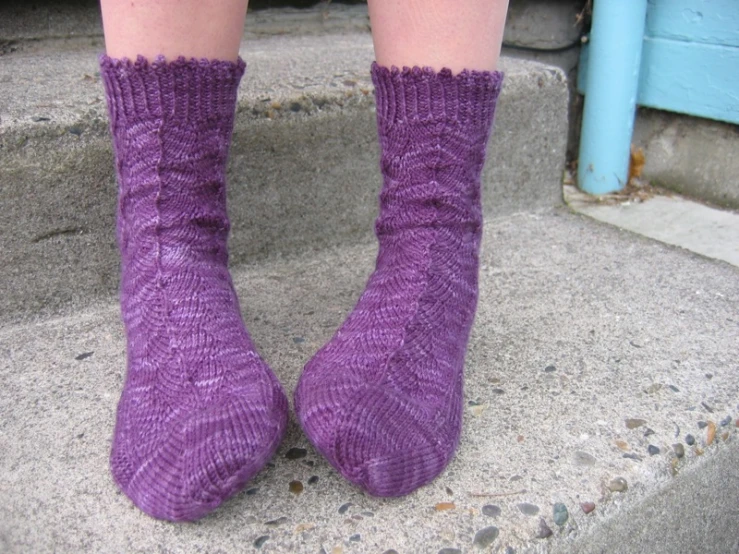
[303, 170]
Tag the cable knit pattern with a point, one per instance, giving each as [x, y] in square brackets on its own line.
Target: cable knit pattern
[200, 412]
[383, 399]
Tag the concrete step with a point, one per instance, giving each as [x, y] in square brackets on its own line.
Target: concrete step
[303, 172]
[581, 328]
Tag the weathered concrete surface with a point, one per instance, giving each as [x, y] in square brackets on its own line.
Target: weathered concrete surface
[304, 162]
[696, 513]
[580, 326]
[545, 24]
[672, 219]
[534, 23]
[693, 156]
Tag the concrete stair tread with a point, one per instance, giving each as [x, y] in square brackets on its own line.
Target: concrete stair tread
[580, 326]
[303, 171]
[49, 88]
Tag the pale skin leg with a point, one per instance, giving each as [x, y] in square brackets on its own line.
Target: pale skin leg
[454, 34]
[173, 28]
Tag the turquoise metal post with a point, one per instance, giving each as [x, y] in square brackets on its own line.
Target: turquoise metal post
[611, 88]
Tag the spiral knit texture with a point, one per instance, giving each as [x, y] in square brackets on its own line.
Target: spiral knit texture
[200, 412]
[383, 399]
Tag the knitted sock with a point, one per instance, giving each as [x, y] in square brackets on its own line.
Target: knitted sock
[383, 399]
[200, 412]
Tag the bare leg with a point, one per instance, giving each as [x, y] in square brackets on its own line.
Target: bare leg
[172, 28]
[457, 34]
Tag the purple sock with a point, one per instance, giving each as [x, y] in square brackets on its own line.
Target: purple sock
[200, 412]
[383, 399]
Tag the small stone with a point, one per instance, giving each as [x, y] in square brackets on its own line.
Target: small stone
[679, 450]
[528, 509]
[673, 388]
[450, 551]
[632, 456]
[550, 369]
[355, 538]
[707, 407]
[702, 424]
[653, 450]
[86, 355]
[516, 477]
[655, 387]
[298, 340]
[491, 510]
[709, 376]
[485, 537]
[544, 530]
[296, 453]
[587, 507]
[449, 491]
[560, 514]
[584, 459]
[510, 550]
[725, 421]
[276, 522]
[623, 445]
[296, 487]
[252, 491]
[260, 541]
[313, 480]
[633, 423]
[689, 440]
[344, 507]
[309, 463]
[498, 391]
[648, 432]
[75, 130]
[391, 551]
[618, 484]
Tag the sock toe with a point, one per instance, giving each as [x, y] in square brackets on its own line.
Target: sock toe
[386, 444]
[205, 458]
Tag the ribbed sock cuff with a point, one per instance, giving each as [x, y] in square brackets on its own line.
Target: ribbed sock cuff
[424, 95]
[175, 91]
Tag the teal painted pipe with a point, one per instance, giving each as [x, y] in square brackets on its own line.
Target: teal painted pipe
[611, 88]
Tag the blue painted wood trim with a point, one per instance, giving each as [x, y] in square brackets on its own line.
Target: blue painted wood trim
[690, 78]
[707, 21]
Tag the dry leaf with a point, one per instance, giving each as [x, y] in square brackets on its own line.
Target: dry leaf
[443, 506]
[711, 433]
[636, 163]
[304, 527]
[623, 445]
